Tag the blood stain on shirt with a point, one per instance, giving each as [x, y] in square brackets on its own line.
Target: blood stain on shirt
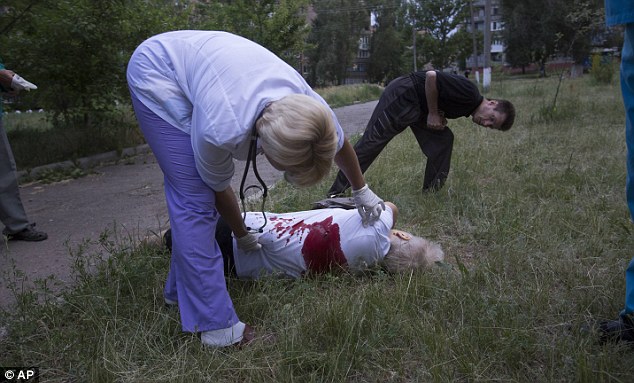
[284, 226]
[322, 247]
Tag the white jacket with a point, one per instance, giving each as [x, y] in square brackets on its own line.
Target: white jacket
[212, 85]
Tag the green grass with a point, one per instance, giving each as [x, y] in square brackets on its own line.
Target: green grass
[339, 96]
[535, 228]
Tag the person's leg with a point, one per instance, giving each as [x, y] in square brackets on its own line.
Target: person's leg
[224, 238]
[437, 146]
[628, 310]
[397, 102]
[12, 213]
[196, 278]
[622, 329]
[627, 89]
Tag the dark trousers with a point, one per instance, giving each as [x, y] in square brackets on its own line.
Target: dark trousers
[397, 109]
[225, 242]
[12, 213]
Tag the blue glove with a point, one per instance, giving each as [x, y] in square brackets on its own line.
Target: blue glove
[368, 204]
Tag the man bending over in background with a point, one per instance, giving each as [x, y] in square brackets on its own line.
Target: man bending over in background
[424, 101]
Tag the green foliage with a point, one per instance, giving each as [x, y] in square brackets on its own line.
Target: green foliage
[582, 22]
[387, 45]
[536, 30]
[58, 174]
[438, 20]
[76, 52]
[32, 135]
[519, 32]
[603, 72]
[280, 26]
[334, 39]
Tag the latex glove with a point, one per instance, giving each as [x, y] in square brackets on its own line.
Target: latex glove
[368, 204]
[18, 83]
[248, 243]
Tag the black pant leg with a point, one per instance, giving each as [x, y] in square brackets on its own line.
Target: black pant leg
[367, 149]
[397, 107]
[225, 242]
[437, 146]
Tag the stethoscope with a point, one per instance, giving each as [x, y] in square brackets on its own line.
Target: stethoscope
[253, 149]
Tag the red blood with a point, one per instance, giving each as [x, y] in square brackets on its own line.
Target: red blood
[322, 246]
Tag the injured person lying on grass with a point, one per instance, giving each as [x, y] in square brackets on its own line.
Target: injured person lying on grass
[323, 240]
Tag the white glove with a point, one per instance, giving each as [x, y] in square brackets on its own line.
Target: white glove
[18, 83]
[368, 204]
[248, 243]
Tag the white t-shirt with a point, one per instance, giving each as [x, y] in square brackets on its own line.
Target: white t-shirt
[213, 85]
[315, 240]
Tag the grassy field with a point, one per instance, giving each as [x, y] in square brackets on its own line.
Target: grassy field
[536, 233]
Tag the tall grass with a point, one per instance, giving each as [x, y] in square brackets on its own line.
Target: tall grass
[338, 96]
[535, 228]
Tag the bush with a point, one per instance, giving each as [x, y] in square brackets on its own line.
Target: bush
[38, 140]
[603, 73]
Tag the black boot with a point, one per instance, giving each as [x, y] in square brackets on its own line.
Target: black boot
[619, 330]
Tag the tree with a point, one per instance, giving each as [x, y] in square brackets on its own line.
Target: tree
[536, 30]
[387, 45]
[77, 51]
[438, 22]
[518, 33]
[584, 18]
[278, 25]
[334, 39]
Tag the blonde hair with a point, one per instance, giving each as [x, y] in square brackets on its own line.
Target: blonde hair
[298, 132]
[405, 255]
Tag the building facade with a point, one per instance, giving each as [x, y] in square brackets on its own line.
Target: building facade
[357, 73]
[478, 22]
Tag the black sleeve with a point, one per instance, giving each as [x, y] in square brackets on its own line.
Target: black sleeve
[457, 95]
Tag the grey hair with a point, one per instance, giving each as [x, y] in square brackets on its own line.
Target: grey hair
[415, 253]
[299, 132]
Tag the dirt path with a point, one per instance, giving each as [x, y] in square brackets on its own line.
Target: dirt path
[126, 197]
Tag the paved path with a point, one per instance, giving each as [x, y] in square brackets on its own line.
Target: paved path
[126, 197]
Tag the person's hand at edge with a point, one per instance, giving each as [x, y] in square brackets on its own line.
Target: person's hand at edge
[368, 204]
[6, 77]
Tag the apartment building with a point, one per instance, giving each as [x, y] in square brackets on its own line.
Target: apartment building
[496, 28]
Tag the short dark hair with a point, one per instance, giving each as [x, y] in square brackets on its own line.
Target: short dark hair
[506, 107]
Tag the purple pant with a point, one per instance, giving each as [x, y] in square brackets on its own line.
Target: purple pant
[196, 276]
